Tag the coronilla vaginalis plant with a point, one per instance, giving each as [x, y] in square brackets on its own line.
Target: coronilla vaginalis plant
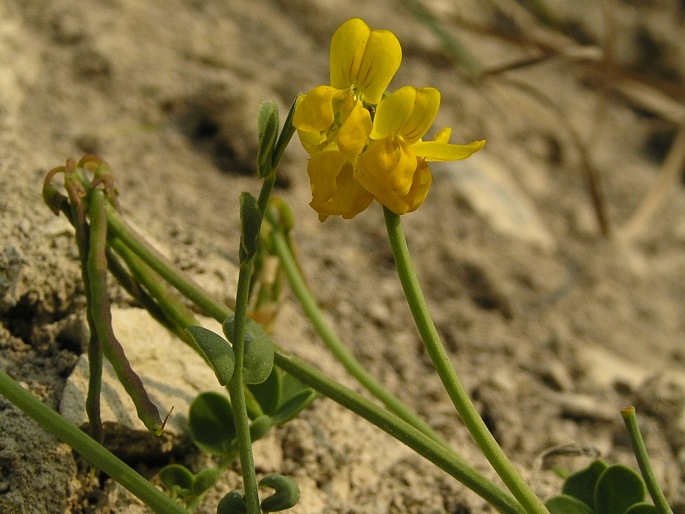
[365, 144]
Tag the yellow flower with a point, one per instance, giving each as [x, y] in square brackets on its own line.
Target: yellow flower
[362, 145]
[394, 166]
[334, 188]
[335, 119]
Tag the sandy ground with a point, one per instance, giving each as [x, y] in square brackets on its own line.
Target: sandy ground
[552, 326]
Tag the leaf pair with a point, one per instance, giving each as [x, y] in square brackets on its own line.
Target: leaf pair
[286, 495]
[182, 484]
[602, 489]
[210, 420]
[258, 356]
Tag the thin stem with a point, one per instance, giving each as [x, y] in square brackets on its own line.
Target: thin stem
[455, 389]
[176, 314]
[236, 387]
[154, 259]
[237, 392]
[101, 316]
[96, 233]
[640, 451]
[425, 446]
[55, 424]
[335, 345]
[444, 458]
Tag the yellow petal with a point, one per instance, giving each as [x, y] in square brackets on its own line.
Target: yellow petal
[393, 112]
[347, 49]
[335, 192]
[314, 111]
[323, 169]
[312, 142]
[386, 169]
[423, 113]
[444, 135]
[419, 188]
[434, 151]
[379, 64]
[354, 132]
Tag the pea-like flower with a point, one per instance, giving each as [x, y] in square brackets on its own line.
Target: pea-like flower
[362, 145]
[394, 166]
[334, 123]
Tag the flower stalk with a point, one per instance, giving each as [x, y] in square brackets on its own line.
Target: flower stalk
[336, 346]
[453, 385]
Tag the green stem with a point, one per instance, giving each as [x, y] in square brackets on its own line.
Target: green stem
[236, 384]
[455, 389]
[335, 345]
[163, 267]
[422, 444]
[237, 392]
[94, 350]
[101, 315]
[438, 454]
[87, 447]
[176, 314]
[76, 211]
[638, 444]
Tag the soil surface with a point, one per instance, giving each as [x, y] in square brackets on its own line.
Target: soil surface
[552, 326]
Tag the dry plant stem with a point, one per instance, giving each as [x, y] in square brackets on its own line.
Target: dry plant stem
[100, 457]
[330, 338]
[591, 175]
[672, 168]
[459, 52]
[643, 461]
[417, 303]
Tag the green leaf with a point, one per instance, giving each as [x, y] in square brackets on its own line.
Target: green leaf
[175, 477]
[286, 134]
[291, 386]
[204, 480]
[581, 484]
[259, 350]
[260, 427]
[618, 488]
[232, 503]
[268, 394]
[293, 406]
[267, 123]
[217, 352]
[642, 508]
[286, 496]
[250, 223]
[565, 504]
[210, 423]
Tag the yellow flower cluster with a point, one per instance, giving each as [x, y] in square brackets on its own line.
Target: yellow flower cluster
[365, 144]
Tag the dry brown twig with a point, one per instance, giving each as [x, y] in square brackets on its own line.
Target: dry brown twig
[546, 42]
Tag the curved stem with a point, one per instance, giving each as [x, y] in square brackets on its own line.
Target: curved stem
[335, 345]
[455, 389]
[425, 446]
[99, 456]
[445, 459]
[638, 444]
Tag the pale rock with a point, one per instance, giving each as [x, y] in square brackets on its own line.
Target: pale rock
[486, 186]
[173, 375]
